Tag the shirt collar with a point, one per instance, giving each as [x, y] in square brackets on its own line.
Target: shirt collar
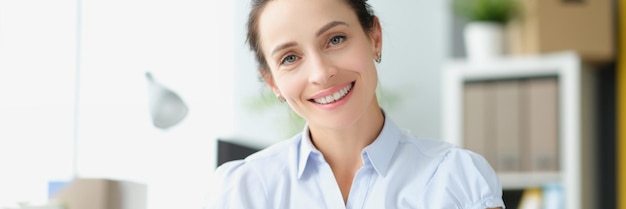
[306, 147]
[379, 152]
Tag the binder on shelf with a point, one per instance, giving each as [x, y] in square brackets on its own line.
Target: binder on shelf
[476, 120]
[555, 158]
[542, 126]
[507, 125]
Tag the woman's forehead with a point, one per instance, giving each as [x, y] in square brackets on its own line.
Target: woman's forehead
[297, 12]
[288, 19]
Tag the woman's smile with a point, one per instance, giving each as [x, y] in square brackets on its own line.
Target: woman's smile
[335, 97]
[330, 97]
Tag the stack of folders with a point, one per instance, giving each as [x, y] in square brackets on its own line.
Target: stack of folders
[513, 123]
[550, 196]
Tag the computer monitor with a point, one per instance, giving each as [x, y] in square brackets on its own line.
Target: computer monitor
[227, 150]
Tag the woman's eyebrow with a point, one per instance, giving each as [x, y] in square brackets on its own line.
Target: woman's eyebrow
[319, 33]
[329, 26]
[283, 46]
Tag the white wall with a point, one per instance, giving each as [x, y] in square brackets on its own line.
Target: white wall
[186, 44]
[37, 65]
[415, 45]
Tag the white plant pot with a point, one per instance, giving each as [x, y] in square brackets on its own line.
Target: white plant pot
[484, 41]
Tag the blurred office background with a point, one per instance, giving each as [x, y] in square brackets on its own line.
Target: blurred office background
[75, 101]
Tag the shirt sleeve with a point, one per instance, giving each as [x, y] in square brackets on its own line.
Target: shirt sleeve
[492, 195]
[467, 181]
[237, 186]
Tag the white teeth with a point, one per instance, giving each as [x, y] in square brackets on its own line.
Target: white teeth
[334, 97]
[337, 95]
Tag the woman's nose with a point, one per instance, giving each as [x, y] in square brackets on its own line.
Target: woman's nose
[322, 69]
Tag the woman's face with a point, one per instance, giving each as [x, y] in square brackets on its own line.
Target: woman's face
[320, 59]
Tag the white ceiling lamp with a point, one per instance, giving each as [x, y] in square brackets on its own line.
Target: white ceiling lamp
[166, 107]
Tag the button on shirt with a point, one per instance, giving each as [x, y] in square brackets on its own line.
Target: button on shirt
[399, 171]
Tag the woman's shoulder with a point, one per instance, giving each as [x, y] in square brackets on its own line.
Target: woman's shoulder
[443, 152]
[452, 168]
[428, 147]
[463, 163]
[275, 160]
[468, 177]
[276, 155]
[249, 181]
[450, 158]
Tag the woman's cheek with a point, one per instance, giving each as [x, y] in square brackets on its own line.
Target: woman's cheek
[355, 59]
[291, 85]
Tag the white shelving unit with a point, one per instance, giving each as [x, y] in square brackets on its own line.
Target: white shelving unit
[565, 66]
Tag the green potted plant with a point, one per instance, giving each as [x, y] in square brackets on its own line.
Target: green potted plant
[484, 32]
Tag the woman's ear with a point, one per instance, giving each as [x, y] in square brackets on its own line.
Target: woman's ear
[377, 36]
[269, 80]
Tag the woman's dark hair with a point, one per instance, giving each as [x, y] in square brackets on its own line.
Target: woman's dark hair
[363, 11]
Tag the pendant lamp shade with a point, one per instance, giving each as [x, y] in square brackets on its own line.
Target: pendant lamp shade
[166, 107]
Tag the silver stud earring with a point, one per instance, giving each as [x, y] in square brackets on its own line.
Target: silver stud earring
[379, 58]
[280, 98]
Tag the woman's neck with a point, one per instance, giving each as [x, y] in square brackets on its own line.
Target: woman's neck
[343, 147]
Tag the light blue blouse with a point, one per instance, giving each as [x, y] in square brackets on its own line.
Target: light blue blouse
[399, 171]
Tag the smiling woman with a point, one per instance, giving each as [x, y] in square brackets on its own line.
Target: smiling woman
[320, 58]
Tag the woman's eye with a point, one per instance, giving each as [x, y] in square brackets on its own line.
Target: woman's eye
[336, 40]
[288, 59]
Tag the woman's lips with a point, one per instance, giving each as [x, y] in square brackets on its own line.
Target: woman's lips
[332, 97]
